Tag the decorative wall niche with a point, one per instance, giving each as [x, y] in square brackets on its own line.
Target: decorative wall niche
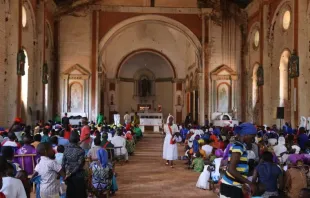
[223, 86]
[75, 86]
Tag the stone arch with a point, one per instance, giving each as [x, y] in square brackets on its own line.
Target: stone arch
[135, 52]
[160, 19]
[49, 34]
[281, 7]
[29, 9]
[142, 25]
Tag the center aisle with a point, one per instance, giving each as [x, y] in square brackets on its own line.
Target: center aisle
[147, 176]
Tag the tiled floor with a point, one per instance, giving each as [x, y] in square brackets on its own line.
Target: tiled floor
[147, 176]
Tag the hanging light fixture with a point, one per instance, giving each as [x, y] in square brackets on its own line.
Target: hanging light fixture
[21, 58]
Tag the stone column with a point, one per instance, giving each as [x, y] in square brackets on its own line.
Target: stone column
[201, 83]
[11, 33]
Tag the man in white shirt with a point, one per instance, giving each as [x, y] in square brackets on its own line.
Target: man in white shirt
[127, 118]
[119, 141]
[12, 187]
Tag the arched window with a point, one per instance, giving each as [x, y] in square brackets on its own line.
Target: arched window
[256, 39]
[46, 97]
[254, 86]
[24, 87]
[24, 17]
[283, 68]
[286, 20]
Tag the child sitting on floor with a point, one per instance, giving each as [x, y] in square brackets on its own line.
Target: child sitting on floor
[203, 180]
[198, 163]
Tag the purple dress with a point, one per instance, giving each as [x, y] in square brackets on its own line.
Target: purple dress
[28, 163]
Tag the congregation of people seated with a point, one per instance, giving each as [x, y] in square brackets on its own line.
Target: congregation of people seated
[52, 156]
[249, 160]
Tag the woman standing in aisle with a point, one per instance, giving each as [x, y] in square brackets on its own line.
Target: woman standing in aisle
[170, 148]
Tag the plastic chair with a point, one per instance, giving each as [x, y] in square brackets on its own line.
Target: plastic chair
[119, 157]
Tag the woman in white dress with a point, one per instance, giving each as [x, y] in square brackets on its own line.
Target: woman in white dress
[170, 148]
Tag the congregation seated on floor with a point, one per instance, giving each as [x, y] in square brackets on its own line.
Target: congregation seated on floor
[248, 160]
[83, 154]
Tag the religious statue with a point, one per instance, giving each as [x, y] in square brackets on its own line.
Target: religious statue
[293, 68]
[223, 100]
[144, 87]
[45, 74]
[21, 58]
[260, 76]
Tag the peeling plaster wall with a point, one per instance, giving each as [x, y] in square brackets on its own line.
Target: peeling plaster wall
[75, 42]
[10, 85]
[276, 40]
[304, 54]
[75, 39]
[3, 7]
[9, 34]
[29, 43]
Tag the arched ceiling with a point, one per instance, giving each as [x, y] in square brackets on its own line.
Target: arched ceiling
[146, 60]
[149, 34]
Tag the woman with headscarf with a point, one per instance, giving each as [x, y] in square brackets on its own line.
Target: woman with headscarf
[280, 150]
[170, 148]
[103, 177]
[295, 177]
[236, 174]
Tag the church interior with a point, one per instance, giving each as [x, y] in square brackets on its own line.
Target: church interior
[194, 56]
[240, 60]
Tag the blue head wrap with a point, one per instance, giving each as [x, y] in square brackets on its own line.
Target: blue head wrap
[216, 131]
[102, 157]
[245, 129]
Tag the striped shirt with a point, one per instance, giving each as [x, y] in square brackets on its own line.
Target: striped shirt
[242, 166]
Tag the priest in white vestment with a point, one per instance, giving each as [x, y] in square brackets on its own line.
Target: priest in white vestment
[117, 119]
[170, 148]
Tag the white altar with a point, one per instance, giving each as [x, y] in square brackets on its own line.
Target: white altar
[223, 119]
[150, 119]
